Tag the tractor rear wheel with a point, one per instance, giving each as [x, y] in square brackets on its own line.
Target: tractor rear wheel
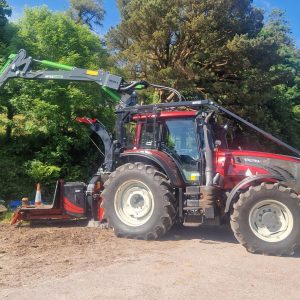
[138, 202]
[266, 219]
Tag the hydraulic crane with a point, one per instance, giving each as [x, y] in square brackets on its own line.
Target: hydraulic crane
[21, 66]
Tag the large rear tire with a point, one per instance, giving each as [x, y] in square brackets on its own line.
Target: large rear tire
[266, 220]
[138, 202]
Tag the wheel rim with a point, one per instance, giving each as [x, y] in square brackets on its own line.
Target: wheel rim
[271, 220]
[134, 203]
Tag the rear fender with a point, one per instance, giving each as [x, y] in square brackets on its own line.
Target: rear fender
[158, 159]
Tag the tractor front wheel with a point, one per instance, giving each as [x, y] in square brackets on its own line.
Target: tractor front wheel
[138, 202]
[266, 219]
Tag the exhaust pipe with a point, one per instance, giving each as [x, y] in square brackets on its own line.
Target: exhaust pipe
[209, 153]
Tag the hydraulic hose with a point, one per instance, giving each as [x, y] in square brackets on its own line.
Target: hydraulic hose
[134, 84]
[169, 89]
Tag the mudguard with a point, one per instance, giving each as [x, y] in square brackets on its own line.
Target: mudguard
[245, 182]
[158, 158]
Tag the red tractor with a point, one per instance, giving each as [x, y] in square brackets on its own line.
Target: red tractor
[171, 163]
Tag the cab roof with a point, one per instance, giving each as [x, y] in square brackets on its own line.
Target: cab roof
[166, 115]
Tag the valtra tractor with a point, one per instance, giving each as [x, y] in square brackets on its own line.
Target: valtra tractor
[171, 163]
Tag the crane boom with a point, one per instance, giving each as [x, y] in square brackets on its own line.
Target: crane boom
[20, 66]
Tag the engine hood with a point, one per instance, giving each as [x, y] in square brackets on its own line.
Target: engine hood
[235, 165]
[259, 155]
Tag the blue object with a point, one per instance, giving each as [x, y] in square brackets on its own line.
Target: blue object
[14, 204]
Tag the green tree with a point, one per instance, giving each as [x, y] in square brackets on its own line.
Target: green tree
[285, 78]
[5, 11]
[214, 49]
[88, 12]
[165, 36]
[122, 7]
[7, 33]
[46, 140]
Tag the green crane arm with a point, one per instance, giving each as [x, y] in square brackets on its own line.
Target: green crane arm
[20, 66]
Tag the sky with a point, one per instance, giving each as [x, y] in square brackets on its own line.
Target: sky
[112, 17]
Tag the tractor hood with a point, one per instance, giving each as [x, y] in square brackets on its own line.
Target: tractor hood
[235, 165]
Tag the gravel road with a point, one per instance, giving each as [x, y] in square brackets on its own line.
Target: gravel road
[72, 262]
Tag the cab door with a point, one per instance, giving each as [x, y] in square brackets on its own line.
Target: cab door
[180, 140]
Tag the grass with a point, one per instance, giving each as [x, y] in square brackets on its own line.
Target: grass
[6, 217]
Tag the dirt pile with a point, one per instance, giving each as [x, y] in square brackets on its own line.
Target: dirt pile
[29, 253]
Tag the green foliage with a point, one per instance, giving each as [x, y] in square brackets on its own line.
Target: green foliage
[122, 7]
[56, 37]
[173, 40]
[6, 217]
[14, 181]
[41, 115]
[5, 11]
[215, 49]
[89, 12]
[40, 171]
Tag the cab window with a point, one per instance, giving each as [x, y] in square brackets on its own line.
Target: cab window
[180, 141]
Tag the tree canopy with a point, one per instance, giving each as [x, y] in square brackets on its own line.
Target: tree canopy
[89, 12]
[5, 12]
[221, 50]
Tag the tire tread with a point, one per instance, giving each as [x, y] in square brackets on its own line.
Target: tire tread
[169, 213]
[235, 218]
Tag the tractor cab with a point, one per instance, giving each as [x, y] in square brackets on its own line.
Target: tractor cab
[190, 137]
[174, 133]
